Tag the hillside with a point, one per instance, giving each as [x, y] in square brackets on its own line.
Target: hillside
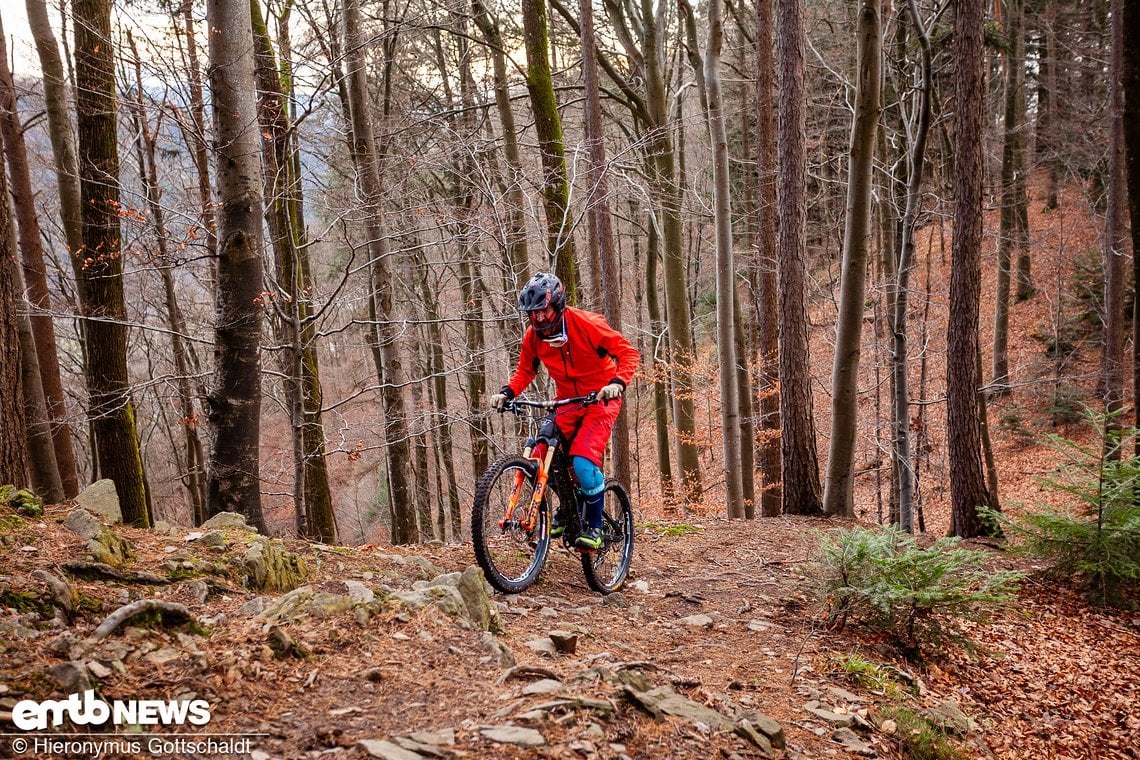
[722, 616]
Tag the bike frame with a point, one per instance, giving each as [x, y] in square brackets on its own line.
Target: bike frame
[541, 452]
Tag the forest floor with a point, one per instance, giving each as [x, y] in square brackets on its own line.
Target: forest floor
[721, 612]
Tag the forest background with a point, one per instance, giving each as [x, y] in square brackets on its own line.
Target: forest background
[268, 253]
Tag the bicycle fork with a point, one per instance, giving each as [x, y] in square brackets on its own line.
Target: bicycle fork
[530, 520]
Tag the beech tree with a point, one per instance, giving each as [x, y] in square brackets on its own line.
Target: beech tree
[839, 497]
[234, 402]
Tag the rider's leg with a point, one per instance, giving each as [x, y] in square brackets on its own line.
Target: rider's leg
[591, 483]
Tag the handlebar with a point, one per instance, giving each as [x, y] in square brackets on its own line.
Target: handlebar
[516, 405]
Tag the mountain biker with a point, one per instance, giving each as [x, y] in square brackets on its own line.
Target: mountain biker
[583, 355]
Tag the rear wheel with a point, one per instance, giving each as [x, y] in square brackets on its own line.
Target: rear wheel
[606, 568]
[510, 548]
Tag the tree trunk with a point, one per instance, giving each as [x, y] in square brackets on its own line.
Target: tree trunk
[667, 199]
[839, 495]
[194, 476]
[598, 208]
[368, 182]
[198, 138]
[14, 433]
[660, 360]
[771, 496]
[516, 223]
[725, 269]
[1130, 76]
[62, 137]
[900, 290]
[1115, 246]
[234, 401]
[35, 277]
[290, 245]
[967, 480]
[800, 476]
[104, 307]
[548, 126]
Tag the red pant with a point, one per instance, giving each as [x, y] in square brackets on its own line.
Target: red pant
[588, 428]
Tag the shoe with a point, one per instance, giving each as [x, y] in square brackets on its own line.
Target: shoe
[561, 520]
[591, 539]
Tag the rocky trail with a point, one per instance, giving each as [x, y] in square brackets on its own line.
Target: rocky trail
[716, 648]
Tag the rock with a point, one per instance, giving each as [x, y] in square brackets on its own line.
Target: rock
[765, 725]
[162, 656]
[426, 570]
[72, 677]
[542, 686]
[200, 590]
[698, 621]
[102, 543]
[548, 612]
[230, 520]
[949, 717]
[375, 675]
[564, 641]
[500, 651]
[445, 737]
[746, 730]
[285, 646]
[759, 626]
[842, 720]
[844, 695]
[387, 750]
[303, 602]
[268, 566]
[663, 700]
[163, 528]
[101, 498]
[215, 539]
[642, 586]
[852, 743]
[98, 669]
[359, 593]
[543, 645]
[473, 588]
[616, 599]
[520, 737]
[254, 606]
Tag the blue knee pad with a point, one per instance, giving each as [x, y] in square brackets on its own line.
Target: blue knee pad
[590, 478]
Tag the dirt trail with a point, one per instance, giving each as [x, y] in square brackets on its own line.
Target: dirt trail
[722, 616]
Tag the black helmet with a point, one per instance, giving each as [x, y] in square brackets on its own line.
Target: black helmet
[542, 290]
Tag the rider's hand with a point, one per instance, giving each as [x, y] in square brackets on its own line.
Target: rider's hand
[498, 401]
[611, 391]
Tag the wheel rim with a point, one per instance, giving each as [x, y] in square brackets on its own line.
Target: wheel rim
[511, 549]
[611, 561]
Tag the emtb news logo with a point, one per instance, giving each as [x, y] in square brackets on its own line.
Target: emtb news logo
[89, 710]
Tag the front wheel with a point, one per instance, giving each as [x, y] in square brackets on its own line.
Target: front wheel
[510, 543]
[606, 568]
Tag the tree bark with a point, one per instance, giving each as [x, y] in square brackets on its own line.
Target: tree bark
[771, 496]
[234, 401]
[548, 126]
[14, 438]
[104, 305]
[800, 476]
[725, 269]
[1115, 246]
[61, 134]
[516, 224]
[967, 480]
[903, 471]
[839, 495]
[294, 278]
[1130, 77]
[35, 278]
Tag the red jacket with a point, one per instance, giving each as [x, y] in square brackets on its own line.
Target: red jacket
[594, 355]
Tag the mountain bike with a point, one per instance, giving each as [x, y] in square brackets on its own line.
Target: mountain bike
[517, 497]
